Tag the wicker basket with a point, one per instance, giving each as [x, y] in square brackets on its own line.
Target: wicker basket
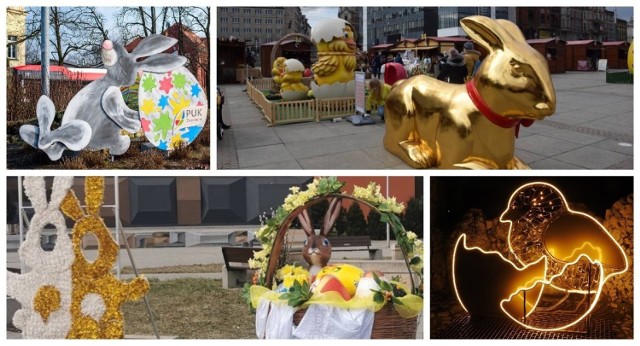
[387, 324]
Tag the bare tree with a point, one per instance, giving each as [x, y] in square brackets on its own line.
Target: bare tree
[140, 21]
[197, 19]
[76, 34]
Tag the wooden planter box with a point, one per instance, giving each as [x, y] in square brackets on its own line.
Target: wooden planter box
[287, 112]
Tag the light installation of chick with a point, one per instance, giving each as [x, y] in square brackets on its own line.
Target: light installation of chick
[292, 87]
[334, 72]
[65, 295]
[555, 249]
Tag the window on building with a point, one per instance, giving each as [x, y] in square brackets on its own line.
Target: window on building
[236, 30]
[224, 10]
[247, 10]
[258, 20]
[268, 21]
[258, 30]
[258, 11]
[235, 10]
[279, 13]
[268, 30]
[224, 20]
[12, 47]
[224, 30]
[279, 21]
[247, 20]
[235, 20]
[269, 11]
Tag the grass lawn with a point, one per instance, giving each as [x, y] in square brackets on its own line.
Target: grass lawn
[197, 155]
[192, 268]
[192, 309]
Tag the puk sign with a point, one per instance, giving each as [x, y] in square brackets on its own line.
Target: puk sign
[173, 108]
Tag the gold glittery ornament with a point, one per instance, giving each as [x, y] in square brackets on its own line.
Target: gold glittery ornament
[46, 301]
[95, 277]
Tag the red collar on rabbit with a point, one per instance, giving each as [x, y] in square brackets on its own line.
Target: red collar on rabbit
[493, 117]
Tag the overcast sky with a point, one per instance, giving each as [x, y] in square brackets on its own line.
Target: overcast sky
[623, 12]
[318, 14]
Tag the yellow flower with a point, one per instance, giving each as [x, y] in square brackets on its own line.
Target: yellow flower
[301, 278]
[411, 236]
[288, 281]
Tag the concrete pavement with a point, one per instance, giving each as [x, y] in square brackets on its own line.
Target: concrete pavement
[591, 129]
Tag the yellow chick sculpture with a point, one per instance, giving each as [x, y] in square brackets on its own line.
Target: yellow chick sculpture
[278, 70]
[292, 87]
[336, 46]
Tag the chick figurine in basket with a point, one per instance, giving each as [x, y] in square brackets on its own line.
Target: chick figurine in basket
[292, 87]
[340, 278]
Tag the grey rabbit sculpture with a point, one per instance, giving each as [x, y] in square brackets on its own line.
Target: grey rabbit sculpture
[96, 114]
[317, 248]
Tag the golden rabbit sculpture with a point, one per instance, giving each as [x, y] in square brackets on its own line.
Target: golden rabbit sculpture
[430, 123]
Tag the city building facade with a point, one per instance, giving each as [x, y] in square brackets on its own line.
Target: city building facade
[259, 25]
[392, 24]
[354, 15]
[16, 28]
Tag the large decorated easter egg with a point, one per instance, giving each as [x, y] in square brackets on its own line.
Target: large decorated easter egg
[347, 274]
[173, 108]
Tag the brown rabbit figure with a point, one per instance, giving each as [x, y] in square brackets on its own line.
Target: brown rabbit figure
[430, 123]
[317, 248]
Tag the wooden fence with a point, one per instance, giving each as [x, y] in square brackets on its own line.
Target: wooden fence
[287, 112]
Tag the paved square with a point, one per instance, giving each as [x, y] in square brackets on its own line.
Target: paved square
[591, 129]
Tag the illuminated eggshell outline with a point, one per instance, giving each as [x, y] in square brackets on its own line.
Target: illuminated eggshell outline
[565, 209]
[547, 280]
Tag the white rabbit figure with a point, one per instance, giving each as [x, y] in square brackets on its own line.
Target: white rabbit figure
[50, 271]
[96, 114]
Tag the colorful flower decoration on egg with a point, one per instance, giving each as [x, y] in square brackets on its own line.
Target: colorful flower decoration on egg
[551, 248]
[173, 108]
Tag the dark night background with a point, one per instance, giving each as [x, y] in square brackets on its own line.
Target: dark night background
[452, 197]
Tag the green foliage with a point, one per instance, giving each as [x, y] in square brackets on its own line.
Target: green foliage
[413, 216]
[389, 291]
[377, 229]
[246, 295]
[356, 224]
[329, 185]
[298, 294]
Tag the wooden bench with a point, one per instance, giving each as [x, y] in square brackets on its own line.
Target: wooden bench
[236, 269]
[354, 243]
